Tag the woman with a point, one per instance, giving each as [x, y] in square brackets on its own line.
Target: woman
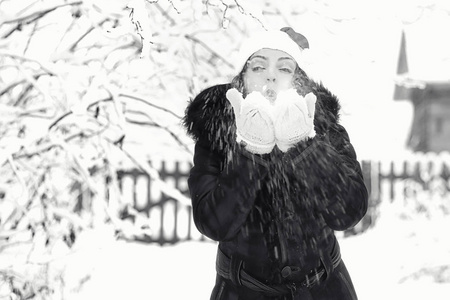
[274, 176]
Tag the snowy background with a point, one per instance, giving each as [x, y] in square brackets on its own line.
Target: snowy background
[399, 259]
[403, 257]
[96, 49]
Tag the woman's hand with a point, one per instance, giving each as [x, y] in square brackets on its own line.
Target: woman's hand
[255, 128]
[293, 118]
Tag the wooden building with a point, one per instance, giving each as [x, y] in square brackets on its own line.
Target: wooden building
[428, 88]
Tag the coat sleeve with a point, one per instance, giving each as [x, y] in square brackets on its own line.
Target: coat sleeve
[347, 200]
[333, 178]
[222, 196]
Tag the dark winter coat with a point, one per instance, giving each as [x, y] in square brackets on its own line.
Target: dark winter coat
[276, 209]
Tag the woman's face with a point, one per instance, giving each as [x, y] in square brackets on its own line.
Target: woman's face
[269, 71]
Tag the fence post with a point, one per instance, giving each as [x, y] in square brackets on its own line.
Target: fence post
[370, 173]
[367, 175]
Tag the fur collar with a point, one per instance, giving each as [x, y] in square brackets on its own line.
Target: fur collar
[209, 117]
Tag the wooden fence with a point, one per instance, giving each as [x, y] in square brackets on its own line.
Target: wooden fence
[171, 221]
[422, 181]
[386, 181]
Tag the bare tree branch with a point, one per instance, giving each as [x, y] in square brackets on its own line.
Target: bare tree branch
[30, 37]
[25, 91]
[38, 14]
[36, 152]
[165, 14]
[18, 82]
[33, 82]
[63, 116]
[150, 104]
[176, 138]
[173, 6]
[242, 11]
[142, 163]
[19, 209]
[24, 58]
[214, 53]
[74, 45]
[154, 124]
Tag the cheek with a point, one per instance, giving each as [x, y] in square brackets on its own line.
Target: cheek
[285, 82]
[253, 84]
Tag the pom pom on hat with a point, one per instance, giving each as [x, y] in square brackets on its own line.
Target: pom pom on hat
[286, 40]
[299, 38]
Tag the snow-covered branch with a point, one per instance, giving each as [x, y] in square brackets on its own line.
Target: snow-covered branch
[44, 66]
[37, 14]
[204, 45]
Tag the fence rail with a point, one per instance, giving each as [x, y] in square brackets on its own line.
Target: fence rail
[172, 221]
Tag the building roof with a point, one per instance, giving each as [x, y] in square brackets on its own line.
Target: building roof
[424, 55]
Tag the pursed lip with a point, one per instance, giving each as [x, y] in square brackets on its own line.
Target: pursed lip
[270, 94]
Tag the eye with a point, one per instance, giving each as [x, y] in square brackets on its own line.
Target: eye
[257, 68]
[286, 70]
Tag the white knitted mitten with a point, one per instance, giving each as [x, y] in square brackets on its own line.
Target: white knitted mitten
[293, 118]
[253, 121]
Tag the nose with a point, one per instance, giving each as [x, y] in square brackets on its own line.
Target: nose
[271, 76]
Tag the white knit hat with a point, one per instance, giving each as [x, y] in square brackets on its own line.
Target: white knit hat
[286, 40]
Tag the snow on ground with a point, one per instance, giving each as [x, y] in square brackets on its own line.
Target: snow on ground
[127, 270]
[400, 258]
